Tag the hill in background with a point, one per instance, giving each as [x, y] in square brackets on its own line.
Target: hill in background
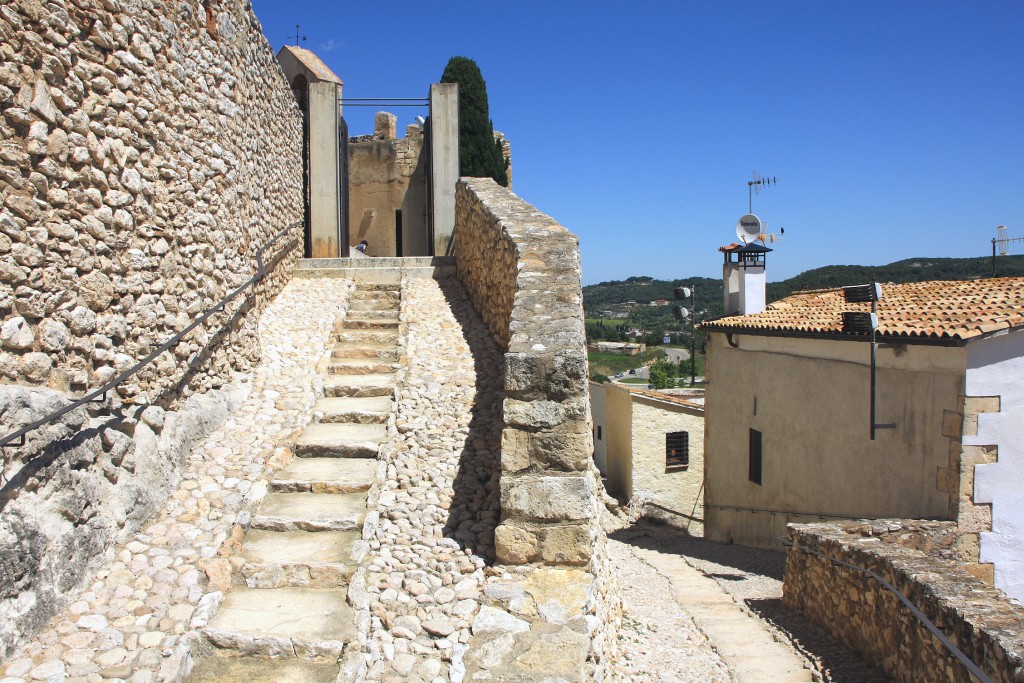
[643, 290]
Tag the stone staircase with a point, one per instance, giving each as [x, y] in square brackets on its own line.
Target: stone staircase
[287, 617]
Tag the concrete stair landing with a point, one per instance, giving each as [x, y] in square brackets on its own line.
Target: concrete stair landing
[287, 616]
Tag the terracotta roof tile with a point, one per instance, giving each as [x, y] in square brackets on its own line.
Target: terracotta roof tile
[944, 309]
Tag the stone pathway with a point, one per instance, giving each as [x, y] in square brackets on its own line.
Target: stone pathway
[291, 620]
[136, 621]
[733, 594]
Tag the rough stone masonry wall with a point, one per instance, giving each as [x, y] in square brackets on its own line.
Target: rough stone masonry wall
[918, 559]
[522, 272]
[147, 149]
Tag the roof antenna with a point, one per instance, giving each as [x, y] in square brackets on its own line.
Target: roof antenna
[754, 187]
[299, 37]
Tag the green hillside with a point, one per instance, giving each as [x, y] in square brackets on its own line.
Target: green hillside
[610, 315]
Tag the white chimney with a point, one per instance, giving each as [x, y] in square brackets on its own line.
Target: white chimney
[744, 280]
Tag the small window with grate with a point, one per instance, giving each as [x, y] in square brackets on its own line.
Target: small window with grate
[598, 432]
[677, 449]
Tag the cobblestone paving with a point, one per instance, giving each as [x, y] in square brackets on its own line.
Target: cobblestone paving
[128, 623]
[439, 504]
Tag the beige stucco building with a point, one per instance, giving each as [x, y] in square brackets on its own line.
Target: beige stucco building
[650, 447]
[789, 422]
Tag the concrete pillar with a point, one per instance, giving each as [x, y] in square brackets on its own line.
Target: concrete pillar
[444, 163]
[324, 170]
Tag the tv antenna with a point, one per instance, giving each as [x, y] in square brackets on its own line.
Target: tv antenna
[299, 37]
[754, 187]
[1002, 240]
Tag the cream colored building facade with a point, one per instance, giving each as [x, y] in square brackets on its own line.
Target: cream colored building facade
[789, 418]
[645, 437]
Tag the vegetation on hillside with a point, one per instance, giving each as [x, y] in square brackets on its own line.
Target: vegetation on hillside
[480, 154]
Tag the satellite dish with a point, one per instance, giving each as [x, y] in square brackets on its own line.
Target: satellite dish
[748, 228]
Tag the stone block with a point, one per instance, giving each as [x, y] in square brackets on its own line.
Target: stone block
[548, 498]
[555, 376]
[566, 544]
[542, 414]
[515, 545]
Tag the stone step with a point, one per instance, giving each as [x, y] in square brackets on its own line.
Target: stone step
[283, 622]
[389, 337]
[359, 385]
[311, 512]
[383, 351]
[370, 287]
[340, 440]
[227, 668]
[373, 314]
[360, 366]
[389, 304]
[365, 410]
[314, 559]
[325, 475]
[368, 324]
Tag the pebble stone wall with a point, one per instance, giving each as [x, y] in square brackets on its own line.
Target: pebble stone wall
[913, 556]
[522, 271]
[147, 150]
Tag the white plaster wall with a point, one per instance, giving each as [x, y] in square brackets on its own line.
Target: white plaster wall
[995, 367]
[597, 412]
[677, 489]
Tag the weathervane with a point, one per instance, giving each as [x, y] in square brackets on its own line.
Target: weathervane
[298, 37]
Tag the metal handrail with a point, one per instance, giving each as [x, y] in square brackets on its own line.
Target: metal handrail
[17, 438]
[971, 667]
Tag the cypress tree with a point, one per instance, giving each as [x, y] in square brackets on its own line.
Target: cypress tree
[479, 153]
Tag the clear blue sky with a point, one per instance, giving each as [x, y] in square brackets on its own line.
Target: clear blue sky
[895, 129]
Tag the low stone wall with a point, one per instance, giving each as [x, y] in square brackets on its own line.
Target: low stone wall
[522, 271]
[913, 556]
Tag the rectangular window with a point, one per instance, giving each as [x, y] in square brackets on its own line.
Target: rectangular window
[755, 457]
[598, 432]
[677, 449]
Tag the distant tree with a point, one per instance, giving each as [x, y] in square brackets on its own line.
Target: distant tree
[480, 153]
[658, 375]
[599, 378]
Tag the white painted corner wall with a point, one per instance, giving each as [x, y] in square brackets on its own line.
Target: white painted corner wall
[995, 367]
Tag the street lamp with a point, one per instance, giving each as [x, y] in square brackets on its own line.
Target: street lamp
[683, 293]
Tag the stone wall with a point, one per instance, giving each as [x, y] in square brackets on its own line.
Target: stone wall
[147, 150]
[388, 174]
[918, 559]
[522, 270]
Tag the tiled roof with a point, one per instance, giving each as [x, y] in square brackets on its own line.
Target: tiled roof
[315, 65]
[951, 310]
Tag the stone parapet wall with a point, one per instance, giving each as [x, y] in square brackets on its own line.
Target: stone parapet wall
[147, 149]
[916, 558]
[522, 271]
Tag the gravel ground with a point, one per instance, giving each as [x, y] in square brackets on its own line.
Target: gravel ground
[753, 577]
